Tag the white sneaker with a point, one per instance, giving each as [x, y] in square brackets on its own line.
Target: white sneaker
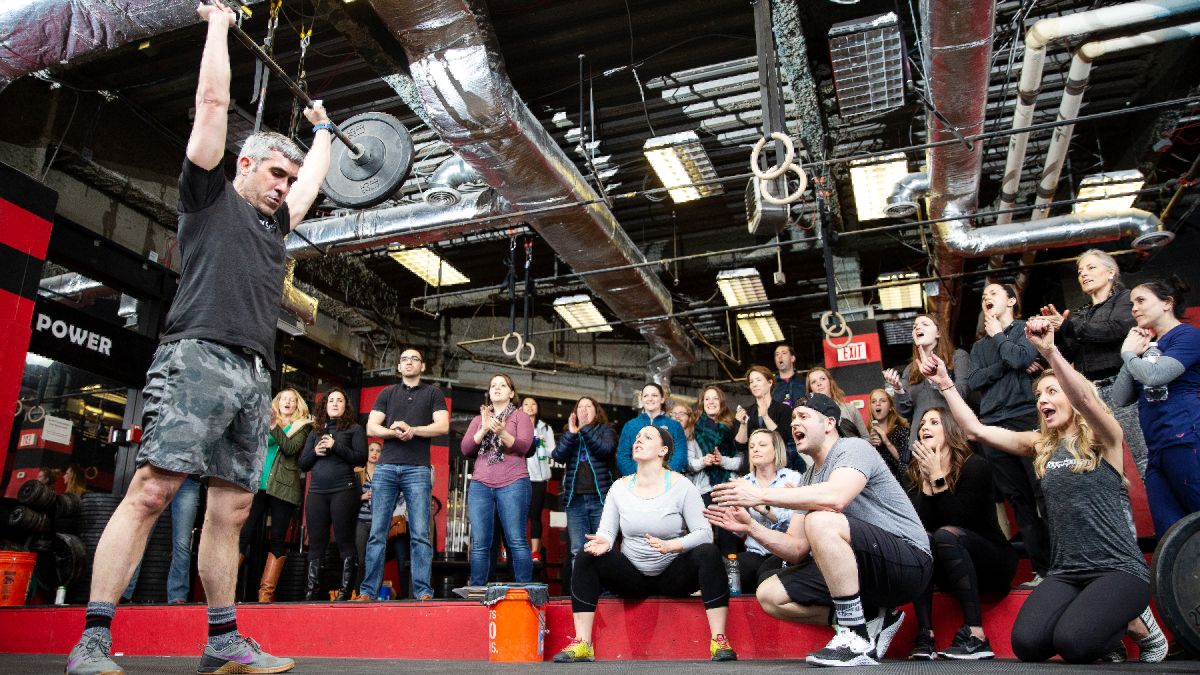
[1153, 646]
[847, 648]
[883, 628]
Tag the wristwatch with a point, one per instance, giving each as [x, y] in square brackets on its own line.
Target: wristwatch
[939, 482]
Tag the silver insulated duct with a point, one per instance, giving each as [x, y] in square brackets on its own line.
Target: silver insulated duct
[1072, 229]
[40, 34]
[473, 106]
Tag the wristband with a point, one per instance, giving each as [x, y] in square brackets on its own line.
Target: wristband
[946, 388]
[327, 126]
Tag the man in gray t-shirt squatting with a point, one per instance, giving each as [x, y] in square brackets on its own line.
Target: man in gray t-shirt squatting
[854, 539]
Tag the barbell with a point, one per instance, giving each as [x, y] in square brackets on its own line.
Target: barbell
[372, 153]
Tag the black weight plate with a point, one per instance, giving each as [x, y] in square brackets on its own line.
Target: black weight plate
[36, 495]
[1175, 581]
[67, 505]
[379, 172]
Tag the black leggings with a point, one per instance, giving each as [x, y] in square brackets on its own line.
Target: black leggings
[726, 541]
[1014, 479]
[754, 567]
[700, 568]
[965, 563]
[281, 517]
[339, 509]
[1080, 617]
[537, 502]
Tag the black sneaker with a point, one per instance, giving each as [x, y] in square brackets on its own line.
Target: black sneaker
[967, 647]
[924, 648]
[847, 648]
[883, 628]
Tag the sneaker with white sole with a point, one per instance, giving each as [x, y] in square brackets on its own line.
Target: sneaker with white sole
[967, 647]
[243, 655]
[883, 628]
[91, 657]
[1154, 646]
[847, 648]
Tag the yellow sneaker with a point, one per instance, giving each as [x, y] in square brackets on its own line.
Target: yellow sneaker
[721, 650]
[575, 652]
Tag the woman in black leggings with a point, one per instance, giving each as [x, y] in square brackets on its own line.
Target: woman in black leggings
[337, 445]
[951, 488]
[1098, 585]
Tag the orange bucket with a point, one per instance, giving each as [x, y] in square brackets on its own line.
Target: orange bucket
[16, 568]
[516, 628]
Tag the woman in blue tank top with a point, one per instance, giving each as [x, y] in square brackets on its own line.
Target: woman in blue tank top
[1098, 585]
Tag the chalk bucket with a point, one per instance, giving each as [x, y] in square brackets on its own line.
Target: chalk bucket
[516, 621]
[16, 568]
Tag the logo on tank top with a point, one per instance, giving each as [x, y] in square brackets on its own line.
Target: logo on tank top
[1061, 464]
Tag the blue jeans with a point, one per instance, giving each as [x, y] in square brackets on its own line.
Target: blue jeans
[183, 519]
[416, 482]
[583, 517]
[512, 503]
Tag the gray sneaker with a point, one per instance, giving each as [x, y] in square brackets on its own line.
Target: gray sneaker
[243, 655]
[90, 657]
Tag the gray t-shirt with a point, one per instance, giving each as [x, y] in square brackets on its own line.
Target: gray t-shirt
[677, 512]
[233, 263]
[1091, 526]
[882, 501]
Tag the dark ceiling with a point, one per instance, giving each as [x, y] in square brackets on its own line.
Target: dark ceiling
[545, 44]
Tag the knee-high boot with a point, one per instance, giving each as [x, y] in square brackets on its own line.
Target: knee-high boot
[313, 587]
[270, 577]
[349, 568]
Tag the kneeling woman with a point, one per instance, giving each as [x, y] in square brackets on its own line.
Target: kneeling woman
[666, 549]
[1098, 584]
[952, 492]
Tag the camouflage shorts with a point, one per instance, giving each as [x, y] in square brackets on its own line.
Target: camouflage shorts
[207, 411]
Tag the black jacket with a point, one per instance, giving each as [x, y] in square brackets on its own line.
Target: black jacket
[1091, 336]
[335, 471]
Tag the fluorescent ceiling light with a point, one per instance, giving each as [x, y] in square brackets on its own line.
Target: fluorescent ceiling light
[873, 181]
[680, 161]
[581, 314]
[759, 327]
[429, 266]
[905, 296]
[741, 286]
[868, 64]
[1118, 188]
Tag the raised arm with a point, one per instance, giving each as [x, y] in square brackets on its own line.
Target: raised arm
[206, 145]
[312, 173]
[1078, 390]
[1013, 442]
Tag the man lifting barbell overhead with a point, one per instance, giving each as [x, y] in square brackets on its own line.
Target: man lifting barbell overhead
[210, 416]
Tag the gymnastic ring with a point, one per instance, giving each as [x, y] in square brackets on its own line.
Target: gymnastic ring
[829, 330]
[790, 199]
[829, 341]
[36, 414]
[20, 408]
[529, 359]
[91, 472]
[504, 345]
[782, 167]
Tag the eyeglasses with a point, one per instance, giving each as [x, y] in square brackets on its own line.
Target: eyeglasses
[410, 359]
[681, 414]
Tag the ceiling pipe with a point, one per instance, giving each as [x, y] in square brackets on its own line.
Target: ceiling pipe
[447, 180]
[410, 224]
[471, 103]
[1067, 230]
[958, 39]
[1068, 109]
[1036, 40]
[45, 34]
[906, 195]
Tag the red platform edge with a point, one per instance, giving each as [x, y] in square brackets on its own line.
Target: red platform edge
[653, 629]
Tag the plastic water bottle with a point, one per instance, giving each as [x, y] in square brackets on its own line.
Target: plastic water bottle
[734, 572]
[1154, 394]
[60, 596]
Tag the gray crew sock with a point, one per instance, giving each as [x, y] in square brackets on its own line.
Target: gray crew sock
[222, 627]
[98, 619]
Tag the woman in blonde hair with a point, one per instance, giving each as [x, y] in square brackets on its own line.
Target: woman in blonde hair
[820, 381]
[280, 487]
[1098, 585]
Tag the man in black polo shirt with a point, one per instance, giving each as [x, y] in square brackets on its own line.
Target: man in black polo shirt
[789, 385]
[406, 416]
[208, 390]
